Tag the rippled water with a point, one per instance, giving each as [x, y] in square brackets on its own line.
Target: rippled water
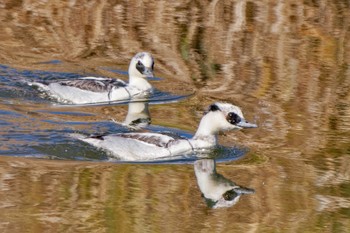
[287, 64]
[22, 135]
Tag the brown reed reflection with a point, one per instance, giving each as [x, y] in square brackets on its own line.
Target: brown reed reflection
[287, 61]
[38, 195]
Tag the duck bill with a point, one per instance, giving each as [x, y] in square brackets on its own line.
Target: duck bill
[242, 190]
[148, 72]
[245, 124]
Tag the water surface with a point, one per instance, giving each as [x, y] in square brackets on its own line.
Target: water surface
[285, 63]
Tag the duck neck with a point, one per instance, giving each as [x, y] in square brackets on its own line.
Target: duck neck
[140, 83]
[205, 132]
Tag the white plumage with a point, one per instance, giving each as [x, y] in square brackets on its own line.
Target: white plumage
[96, 89]
[148, 146]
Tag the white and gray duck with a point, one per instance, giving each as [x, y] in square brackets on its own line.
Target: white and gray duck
[141, 146]
[97, 89]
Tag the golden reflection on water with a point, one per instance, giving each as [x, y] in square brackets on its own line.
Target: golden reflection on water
[61, 196]
[285, 63]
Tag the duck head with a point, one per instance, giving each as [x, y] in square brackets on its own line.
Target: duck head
[141, 66]
[222, 117]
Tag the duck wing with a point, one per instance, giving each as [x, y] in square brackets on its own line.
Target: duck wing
[94, 84]
[155, 139]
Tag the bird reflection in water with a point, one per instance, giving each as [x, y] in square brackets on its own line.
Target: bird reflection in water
[217, 191]
[138, 116]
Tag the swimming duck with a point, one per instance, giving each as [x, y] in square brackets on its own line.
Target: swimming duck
[217, 190]
[139, 146]
[96, 89]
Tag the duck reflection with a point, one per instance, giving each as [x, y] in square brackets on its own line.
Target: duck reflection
[138, 116]
[216, 189]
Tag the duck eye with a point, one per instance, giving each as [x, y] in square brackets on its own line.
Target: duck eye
[140, 67]
[233, 118]
[229, 195]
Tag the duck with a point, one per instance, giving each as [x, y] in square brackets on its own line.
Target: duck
[86, 90]
[140, 146]
[217, 191]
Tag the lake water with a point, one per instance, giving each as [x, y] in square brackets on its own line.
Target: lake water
[287, 65]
